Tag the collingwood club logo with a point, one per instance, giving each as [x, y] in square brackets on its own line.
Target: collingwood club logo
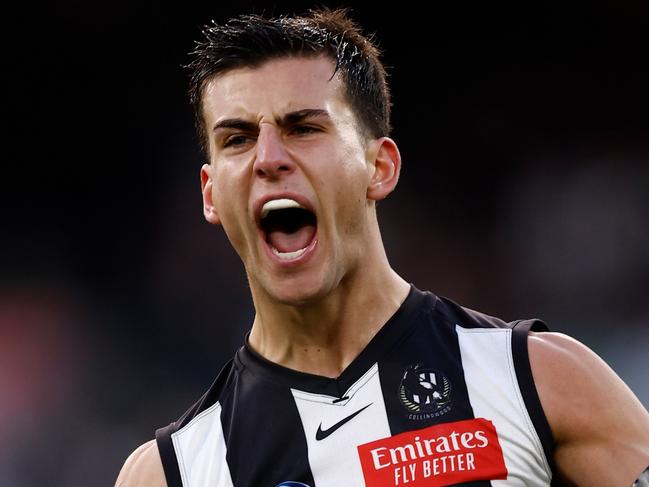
[424, 392]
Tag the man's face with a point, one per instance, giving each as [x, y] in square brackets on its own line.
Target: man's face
[288, 177]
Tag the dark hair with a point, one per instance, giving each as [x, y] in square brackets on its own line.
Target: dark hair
[250, 40]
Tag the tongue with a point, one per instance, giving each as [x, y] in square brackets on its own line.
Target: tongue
[290, 242]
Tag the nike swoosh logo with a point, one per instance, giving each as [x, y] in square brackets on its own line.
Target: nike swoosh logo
[322, 434]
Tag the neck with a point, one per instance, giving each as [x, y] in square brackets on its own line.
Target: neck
[324, 337]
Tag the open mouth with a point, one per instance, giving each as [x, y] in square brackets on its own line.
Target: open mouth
[289, 228]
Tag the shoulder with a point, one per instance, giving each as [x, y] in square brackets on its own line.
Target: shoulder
[143, 468]
[576, 386]
[600, 428]
[569, 376]
[557, 360]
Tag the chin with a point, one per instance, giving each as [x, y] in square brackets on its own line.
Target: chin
[298, 291]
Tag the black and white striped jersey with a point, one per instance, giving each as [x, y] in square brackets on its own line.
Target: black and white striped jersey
[442, 395]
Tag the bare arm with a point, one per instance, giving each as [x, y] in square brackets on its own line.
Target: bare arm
[143, 468]
[600, 428]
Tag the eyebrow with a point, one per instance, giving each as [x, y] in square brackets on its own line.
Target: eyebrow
[290, 118]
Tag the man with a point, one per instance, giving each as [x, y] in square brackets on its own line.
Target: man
[350, 376]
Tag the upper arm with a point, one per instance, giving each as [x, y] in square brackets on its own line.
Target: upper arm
[143, 468]
[600, 428]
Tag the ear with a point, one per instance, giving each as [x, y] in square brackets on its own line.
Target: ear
[386, 168]
[209, 210]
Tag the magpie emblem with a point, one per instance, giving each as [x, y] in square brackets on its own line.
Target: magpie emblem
[425, 392]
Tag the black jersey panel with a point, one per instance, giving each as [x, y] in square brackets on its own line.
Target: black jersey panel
[422, 378]
[263, 434]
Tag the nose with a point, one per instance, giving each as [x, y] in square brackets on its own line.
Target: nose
[272, 157]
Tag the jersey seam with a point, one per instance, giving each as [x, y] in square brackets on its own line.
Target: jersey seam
[536, 441]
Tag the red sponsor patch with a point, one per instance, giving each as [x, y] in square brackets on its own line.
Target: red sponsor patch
[444, 454]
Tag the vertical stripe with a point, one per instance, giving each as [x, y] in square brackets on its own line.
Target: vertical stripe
[334, 459]
[494, 394]
[201, 451]
[263, 434]
[434, 347]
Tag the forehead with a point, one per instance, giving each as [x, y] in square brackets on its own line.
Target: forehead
[276, 87]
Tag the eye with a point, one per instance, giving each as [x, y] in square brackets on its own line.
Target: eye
[236, 140]
[304, 129]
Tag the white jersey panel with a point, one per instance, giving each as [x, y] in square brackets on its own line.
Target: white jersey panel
[494, 394]
[369, 422]
[200, 449]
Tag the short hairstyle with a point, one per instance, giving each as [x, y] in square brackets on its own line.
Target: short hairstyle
[251, 40]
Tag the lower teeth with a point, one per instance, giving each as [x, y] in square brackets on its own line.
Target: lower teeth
[288, 255]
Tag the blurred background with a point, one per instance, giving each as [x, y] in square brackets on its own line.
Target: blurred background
[524, 193]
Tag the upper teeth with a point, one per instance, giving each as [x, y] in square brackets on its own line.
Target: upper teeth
[280, 204]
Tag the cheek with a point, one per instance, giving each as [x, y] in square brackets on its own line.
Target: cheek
[231, 206]
[350, 195]
[355, 178]
[230, 190]
[352, 166]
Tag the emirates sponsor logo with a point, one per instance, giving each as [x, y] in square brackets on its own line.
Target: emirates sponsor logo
[439, 455]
